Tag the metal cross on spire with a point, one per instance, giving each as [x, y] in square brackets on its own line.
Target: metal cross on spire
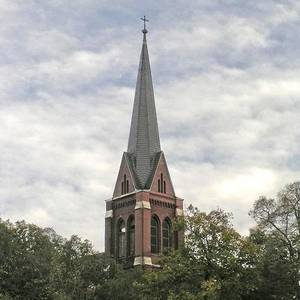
[145, 20]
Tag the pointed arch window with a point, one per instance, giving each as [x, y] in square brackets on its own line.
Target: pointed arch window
[131, 235]
[121, 238]
[154, 235]
[125, 185]
[161, 184]
[167, 235]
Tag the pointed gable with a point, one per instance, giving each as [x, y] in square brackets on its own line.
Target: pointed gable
[161, 181]
[125, 182]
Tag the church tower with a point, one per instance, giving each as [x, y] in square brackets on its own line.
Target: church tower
[138, 220]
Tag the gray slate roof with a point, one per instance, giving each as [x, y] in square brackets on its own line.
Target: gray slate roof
[143, 144]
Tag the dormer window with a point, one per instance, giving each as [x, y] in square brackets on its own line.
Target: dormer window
[161, 184]
[125, 185]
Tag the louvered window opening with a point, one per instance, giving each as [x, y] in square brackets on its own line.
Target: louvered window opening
[125, 185]
[167, 235]
[154, 235]
[121, 239]
[131, 236]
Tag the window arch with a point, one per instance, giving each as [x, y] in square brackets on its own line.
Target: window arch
[121, 238]
[161, 184]
[167, 235]
[130, 236]
[125, 185]
[154, 235]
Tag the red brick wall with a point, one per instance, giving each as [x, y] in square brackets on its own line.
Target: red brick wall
[162, 205]
[124, 170]
[162, 169]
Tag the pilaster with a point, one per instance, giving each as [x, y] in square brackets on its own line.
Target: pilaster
[142, 225]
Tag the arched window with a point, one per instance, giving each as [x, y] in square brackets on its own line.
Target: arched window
[130, 233]
[121, 238]
[154, 235]
[167, 235]
[125, 185]
[161, 184]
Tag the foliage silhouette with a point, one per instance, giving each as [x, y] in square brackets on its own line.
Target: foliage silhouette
[215, 263]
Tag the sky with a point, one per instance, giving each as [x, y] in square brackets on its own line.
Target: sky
[226, 81]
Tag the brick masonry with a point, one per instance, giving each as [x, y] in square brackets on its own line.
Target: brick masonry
[142, 205]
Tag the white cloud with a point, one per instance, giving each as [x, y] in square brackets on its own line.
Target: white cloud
[227, 95]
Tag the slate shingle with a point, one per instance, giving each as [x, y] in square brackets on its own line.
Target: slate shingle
[144, 143]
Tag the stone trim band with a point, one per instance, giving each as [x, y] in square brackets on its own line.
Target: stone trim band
[142, 204]
[108, 214]
[142, 260]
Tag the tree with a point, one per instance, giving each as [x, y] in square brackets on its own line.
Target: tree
[36, 263]
[25, 257]
[119, 285]
[279, 223]
[215, 263]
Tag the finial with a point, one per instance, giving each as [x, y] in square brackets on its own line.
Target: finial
[144, 31]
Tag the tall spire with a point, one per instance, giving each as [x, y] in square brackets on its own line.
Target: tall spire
[144, 141]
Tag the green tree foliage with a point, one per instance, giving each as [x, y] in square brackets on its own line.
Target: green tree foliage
[25, 260]
[278, 232]
[37, 263]
[215, 263]
[120, 285]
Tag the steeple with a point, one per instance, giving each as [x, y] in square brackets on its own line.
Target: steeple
[139, 215]
[143, 144]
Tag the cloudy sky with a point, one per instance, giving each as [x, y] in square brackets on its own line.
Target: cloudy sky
[226, 79]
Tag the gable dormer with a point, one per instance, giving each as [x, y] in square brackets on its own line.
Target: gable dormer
[125, 183]
[161, 180]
